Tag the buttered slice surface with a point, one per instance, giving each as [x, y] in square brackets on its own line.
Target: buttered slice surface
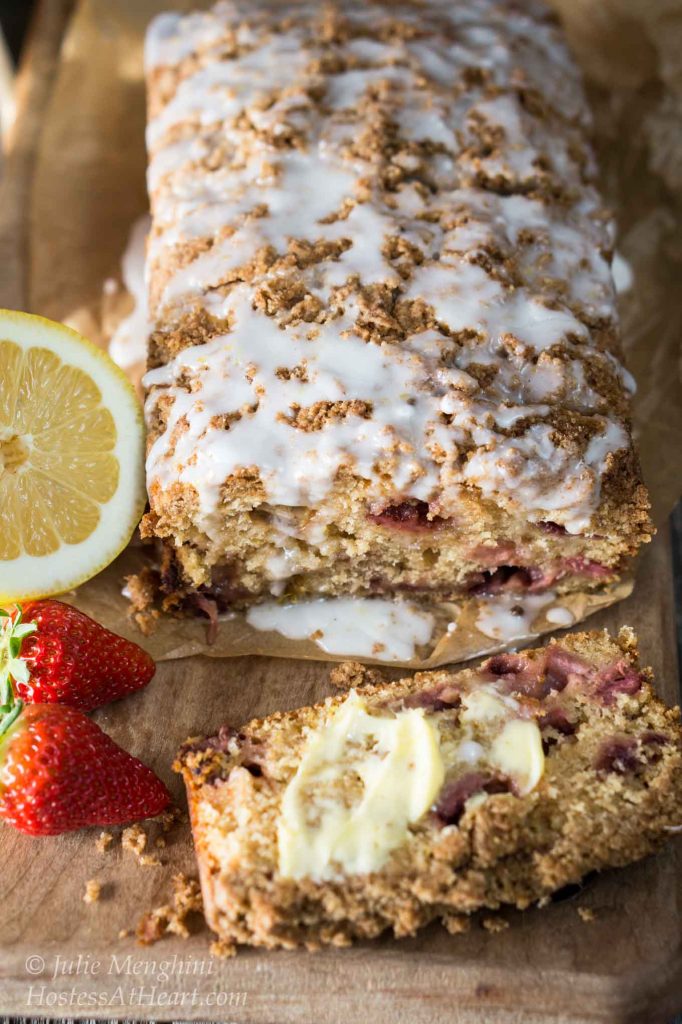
[362, 781]
[366, 775]
[434, 796]
[71, 455]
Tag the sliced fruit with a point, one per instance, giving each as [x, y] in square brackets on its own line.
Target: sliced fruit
[71, 458]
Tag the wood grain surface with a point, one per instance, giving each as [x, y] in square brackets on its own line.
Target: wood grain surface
[548, 965]
[61, 957]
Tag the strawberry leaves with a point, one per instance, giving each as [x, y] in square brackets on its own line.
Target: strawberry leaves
[13, 669]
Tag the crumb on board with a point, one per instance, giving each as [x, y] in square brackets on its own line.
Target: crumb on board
[93, 891]
[137, 840]
[104, 841]
[353, 674]
[457, 924]
[149, 860]
[222, 949]
[170, 818]
[586, 914]
[134, 838]
[171, 919]
[494, 924]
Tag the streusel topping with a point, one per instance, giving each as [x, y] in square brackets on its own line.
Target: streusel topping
[383, 220]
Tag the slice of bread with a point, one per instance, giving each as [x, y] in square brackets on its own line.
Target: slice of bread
[399, 803]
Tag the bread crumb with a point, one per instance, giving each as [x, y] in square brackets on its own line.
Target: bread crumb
[457, 924]
[353, 674]
[494, 924]
[104, 841]
[170, 818]
[153, 925]
[171, 920]
[186, 894]
[134, 838]
[124, 933]
[222, 949]
[149, 860]
[586, 914]
[93, 891]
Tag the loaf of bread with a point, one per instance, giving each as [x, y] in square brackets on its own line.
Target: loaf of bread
[385, 354]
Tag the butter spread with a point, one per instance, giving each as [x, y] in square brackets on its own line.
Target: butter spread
[362, 780]
[517, 752]
[484, 705]
[511, 744]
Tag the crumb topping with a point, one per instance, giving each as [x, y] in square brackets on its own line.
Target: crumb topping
[104, 841]
[171, 918]
[380, 228]
[135, 840]
[93, 891]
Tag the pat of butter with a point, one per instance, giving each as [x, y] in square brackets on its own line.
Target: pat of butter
[361, 781]
[517, 752]
[483, 705]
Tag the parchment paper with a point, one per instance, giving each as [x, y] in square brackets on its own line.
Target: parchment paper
[89, 188]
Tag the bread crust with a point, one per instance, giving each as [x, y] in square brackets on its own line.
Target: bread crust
[610, 793]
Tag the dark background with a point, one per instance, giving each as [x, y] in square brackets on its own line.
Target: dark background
[14, 16]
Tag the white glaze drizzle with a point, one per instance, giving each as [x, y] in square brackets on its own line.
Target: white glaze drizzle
[431, 429]
[508, 617]
[353, 626]
[560, 616]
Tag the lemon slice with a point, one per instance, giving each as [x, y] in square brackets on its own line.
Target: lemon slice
[71, 458]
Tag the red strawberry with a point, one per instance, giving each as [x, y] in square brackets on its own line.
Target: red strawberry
[55, 654]
[59, 771]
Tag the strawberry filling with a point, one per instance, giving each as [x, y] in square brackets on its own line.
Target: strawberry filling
[538, 677]
[619, 755]
[493, 555]
[209, 606]
[555, 529]
[454, 795]
[410, 516]
[509, 579]
[437, 699]
[530, 579]
[561, 665]
[586, 567]
[556, 720]
[556, 668]
[623, 754]
[616, 679]
[523, 676]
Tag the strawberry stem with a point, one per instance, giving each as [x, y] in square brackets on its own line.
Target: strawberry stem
[12, 667]
[10, 715]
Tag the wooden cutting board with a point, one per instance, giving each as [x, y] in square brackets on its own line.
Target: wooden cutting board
[62, 957]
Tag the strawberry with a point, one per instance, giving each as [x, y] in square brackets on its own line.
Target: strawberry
[59, 771]
[54, 654]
